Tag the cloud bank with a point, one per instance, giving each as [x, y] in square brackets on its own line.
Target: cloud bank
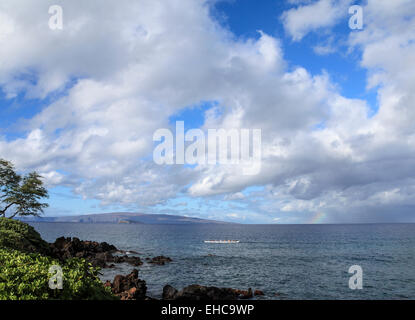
[116, 73]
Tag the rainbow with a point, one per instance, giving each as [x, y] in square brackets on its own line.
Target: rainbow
[318, 218]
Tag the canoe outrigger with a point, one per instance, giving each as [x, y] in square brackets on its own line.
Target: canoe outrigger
[221, 241]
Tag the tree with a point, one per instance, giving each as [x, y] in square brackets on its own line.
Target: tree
[20, 194]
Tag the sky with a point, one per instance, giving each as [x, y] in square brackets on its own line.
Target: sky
[81, 104]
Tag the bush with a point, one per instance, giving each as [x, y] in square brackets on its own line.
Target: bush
[20, 236]
[25, 263]
[26, 277]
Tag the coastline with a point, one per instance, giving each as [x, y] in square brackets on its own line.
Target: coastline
[284, 261]
[130, 286]
[21, 242]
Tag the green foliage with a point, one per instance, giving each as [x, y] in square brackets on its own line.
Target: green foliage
[21, 236]
[26, 277]
[21, 194]
[24, 268]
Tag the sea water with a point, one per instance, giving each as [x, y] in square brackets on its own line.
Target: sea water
[284, 261]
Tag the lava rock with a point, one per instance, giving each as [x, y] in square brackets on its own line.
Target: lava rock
[129, 287]
[198, 292]
[244, 294]
[169, 293]
[258, 293]
[135, 261]
[97, 253]
[160, 260]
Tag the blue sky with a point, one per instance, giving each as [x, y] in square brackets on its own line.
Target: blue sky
[244, 18]
[333, 110]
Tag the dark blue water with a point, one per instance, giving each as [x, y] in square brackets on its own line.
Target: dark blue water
[294, 261]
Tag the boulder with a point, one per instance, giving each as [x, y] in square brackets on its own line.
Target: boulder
[160, 260]
[198, 292]
[258, 293]
[97, 253]
[129, 287]
[244, 294]
[169, 293]
[135, 261]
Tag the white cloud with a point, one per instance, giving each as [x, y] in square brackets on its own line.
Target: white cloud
[324, 50]
[235, 196]
[140, 62]
[301, 20]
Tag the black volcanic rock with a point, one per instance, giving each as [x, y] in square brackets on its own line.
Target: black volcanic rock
[169, 293]
[74, 245]
[198, 292]
[160, 260]
[258, 293]
[135, 261]
[128, 287]
[97, 253]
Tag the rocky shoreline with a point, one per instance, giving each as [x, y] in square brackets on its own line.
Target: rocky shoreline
[99, 254]
[131, 287]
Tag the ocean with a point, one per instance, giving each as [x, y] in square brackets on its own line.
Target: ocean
[284, 261]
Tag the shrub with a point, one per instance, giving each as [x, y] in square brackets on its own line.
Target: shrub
[21, 236]
[26, 276]
[24, 268]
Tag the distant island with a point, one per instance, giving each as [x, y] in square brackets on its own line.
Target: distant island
[125, 218]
